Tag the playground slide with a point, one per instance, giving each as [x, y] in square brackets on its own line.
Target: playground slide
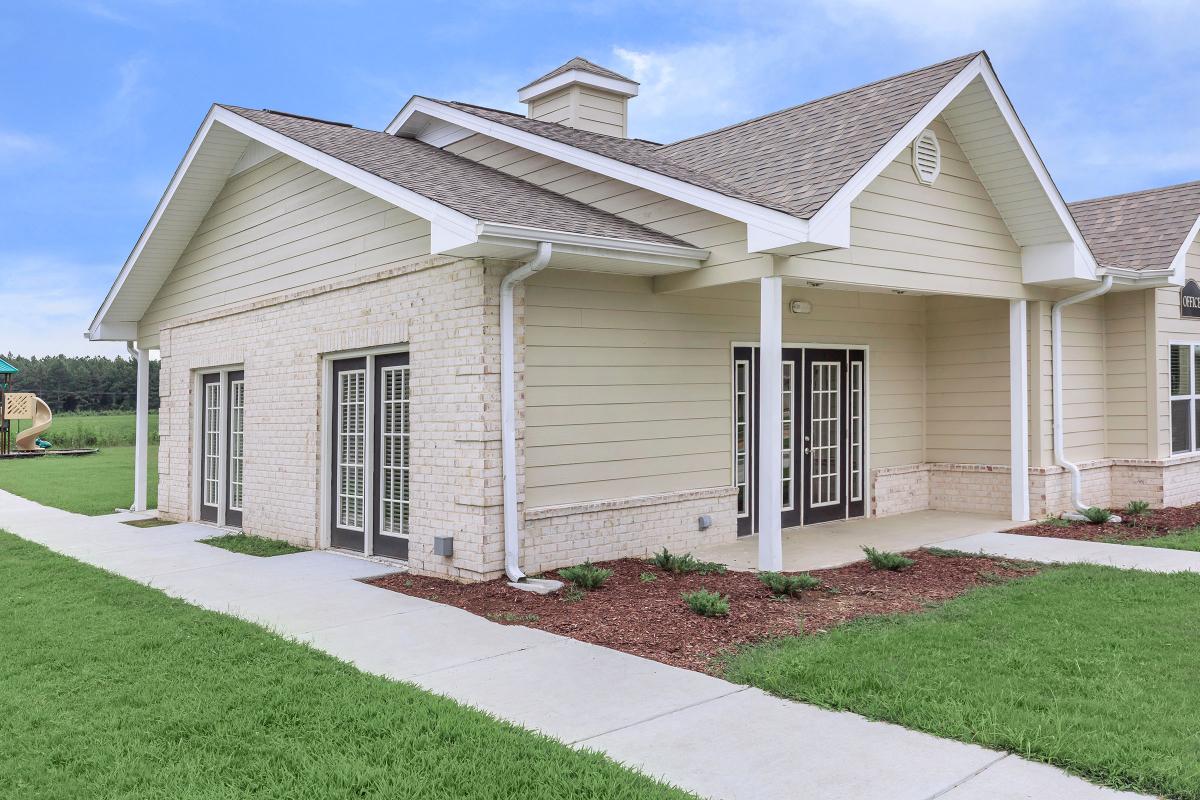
[27, 439]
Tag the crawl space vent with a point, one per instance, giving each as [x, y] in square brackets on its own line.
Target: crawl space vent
[927, 157]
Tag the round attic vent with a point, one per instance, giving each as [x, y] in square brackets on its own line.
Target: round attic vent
[927, 157]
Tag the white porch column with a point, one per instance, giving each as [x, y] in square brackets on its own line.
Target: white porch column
[770, 424]
[141, 436]
[1018, 370]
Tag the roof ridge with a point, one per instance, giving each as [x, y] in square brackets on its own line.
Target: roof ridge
[1152, 190]
[967, 57]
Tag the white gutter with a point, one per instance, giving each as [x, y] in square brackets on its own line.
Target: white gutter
[1056, 374]
[508, 409]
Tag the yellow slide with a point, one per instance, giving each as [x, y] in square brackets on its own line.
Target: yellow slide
[27, 439]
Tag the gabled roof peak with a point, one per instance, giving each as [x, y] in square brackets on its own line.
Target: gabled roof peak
[583, 65]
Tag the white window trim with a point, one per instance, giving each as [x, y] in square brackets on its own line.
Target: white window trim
[406, 503]
[1192, 398]
[223, 435]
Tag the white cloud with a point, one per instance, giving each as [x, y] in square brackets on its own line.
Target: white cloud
[125, 106]
[19, 147]
[945, 22]
[47, 305]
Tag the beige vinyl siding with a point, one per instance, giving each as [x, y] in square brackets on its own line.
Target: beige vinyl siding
[553, 108]
[724, 238]
[628, 391]
[967, 381]
[1128, 382]
[947, 237]
[1170, 327]
[1084, 376]
[278, 227]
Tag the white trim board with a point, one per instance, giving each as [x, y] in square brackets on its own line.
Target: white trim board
[450, 230]
[766, 228]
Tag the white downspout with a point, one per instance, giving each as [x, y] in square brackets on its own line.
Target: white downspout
[508, 409]
[1056, 376]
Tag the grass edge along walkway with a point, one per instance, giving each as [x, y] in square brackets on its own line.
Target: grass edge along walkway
[1089, 668]
[111, 689]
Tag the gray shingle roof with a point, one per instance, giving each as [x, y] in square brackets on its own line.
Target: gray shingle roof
[792, 160]
[1140, 230]
[478, 191]
[583, 65]
[635, 152]
[799, 157]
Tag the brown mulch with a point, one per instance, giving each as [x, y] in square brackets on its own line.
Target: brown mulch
[649, 619]
[1148, 525]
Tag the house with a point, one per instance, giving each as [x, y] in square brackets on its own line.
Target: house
[487, 343]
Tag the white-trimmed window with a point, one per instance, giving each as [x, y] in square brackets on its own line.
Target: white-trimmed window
[237, 443]
[1185, 398]
[394, 466]
[212, 443]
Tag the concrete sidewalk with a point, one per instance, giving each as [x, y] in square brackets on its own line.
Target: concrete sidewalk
[712, 737]
[1072, 551]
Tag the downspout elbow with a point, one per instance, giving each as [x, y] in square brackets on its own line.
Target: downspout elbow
[508, 408]
[1056, 376]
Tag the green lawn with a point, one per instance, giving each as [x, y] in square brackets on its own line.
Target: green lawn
[1090, 668]
[91, 484]
[111, 689]
[252, 545]
[1183, 540]
[71, 431]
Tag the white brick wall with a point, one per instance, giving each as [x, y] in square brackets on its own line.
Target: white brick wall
[445, 311]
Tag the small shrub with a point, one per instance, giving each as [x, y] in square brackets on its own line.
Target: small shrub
[1136, 508]
[663, 560]
[881, 559]
[942, 552]
[572, 594]
[788, 585]
[586, 576]
[1057, 522]
[647, 577]
[1097, 515]
[706, 603]
[686, 563]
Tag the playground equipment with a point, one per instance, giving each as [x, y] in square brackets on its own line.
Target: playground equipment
[30, 439]
[21, 406]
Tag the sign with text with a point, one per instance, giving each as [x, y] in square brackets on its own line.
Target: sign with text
[1189, 300]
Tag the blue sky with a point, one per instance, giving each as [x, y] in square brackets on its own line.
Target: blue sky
[99, 98]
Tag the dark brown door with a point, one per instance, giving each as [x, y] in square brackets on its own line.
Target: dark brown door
[235, 447]
[348, 450]
[746, 362]
[832, 435]
[391, 461]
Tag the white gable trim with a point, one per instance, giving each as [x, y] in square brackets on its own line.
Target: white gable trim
[1179, 263]
[445, 223]
[579, 76]
[839, 204]
[767, 229]
[450, 230]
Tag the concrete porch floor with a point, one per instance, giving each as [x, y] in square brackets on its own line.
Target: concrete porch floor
[835, 543]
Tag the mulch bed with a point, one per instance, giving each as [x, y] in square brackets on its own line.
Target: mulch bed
[649, 619]
[1147, 525]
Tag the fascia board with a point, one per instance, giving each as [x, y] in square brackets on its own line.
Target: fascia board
[839, 204]
[441, 217]
[536, 90]
[148, 230]
[1179, 263]
[781, 228]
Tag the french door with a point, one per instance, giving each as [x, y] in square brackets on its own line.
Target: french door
[222, 447]
[823, 435]
[370, 446]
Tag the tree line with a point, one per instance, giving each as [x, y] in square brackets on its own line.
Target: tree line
[82, 383]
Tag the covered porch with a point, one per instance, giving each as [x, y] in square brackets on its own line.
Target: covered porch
[835, 543]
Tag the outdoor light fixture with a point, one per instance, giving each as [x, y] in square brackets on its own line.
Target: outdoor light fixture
[800, 307]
